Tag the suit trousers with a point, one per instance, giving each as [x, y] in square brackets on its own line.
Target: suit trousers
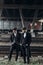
[13, 47]
[17, 48]
[26, 53]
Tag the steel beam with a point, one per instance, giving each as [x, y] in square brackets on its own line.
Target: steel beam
[15, 6]
[21, 16]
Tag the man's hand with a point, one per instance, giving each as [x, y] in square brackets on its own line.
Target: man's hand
[26, 44]
[20, 44]
[12, 43]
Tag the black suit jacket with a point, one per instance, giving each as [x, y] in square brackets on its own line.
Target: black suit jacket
[27, 39]
[17, 38]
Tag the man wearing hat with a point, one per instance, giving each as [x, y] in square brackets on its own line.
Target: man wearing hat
[26, 40]
[15, 40]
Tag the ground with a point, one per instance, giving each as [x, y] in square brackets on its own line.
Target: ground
[33, 61]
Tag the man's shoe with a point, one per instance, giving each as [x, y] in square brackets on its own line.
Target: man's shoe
[24, 62]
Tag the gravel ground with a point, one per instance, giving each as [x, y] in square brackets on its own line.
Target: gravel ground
[33, 61]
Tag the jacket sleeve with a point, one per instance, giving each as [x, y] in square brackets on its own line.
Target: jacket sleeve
[29, 38]
[19, 37]
[11, 38]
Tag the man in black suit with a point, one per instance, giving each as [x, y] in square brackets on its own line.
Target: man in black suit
[15, 39]
[26, 40]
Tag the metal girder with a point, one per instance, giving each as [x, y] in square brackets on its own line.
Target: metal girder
[21, 16]
[1, 17]
[15, 6]
[35, 17]
[1, 2]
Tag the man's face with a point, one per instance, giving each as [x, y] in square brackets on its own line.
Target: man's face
[14, 31]
[24, 31]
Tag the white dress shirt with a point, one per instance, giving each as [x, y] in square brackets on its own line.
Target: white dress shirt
[24, 35]
[15, 34]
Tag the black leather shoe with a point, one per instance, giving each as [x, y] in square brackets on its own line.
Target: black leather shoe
[27, 62]
[24, 61]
